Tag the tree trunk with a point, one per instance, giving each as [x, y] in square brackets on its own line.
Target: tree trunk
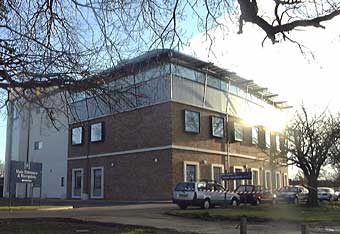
[313, 191]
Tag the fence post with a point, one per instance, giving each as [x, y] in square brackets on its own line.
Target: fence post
[304, 228]
[243, 225]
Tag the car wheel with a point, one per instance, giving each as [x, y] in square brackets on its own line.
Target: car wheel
[182, 206]
[206, 204]
[296, 201]
[234, 202]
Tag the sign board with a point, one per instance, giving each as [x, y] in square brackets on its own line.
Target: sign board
[237, 176]
[22, 172]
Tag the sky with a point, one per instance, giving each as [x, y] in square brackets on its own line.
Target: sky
[312, 79]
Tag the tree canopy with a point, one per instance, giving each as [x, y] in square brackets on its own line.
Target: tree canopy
[61, 43]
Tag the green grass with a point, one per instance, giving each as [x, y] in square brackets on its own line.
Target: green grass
[72, 226]
[265, 212]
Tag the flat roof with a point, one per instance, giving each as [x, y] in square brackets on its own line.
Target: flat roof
[197, 64]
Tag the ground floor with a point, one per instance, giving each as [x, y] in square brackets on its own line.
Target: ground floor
[151, 174]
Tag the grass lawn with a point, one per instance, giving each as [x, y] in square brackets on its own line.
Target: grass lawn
[265, 212]
[71, 226]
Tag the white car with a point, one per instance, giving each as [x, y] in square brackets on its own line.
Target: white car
[203, 194]
[326, 194]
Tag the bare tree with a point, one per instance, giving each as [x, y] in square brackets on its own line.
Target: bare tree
[61, 44]
[312, 143]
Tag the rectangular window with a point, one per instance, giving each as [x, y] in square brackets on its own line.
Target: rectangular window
[191, 172]
[191, 121]
[277, 182]
[254, 135]
[217, 172]
[268, 180]
[77, 136]
[237, 182]
[267, 136]
[278, 146]
[217, 126]
[238, 131]
[62, 181]
[285, 180]
[38, 145]
[255, 177]
[97, 182]
[96, 132]
[77, 182]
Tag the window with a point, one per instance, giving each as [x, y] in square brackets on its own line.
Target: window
[77, 182]
[191, 172]
[217, 126]
[254, 135]
[285, 180]
[237, 182]
[277, 182]
[238, 131]
[96, 132]
[277, 139]
[38, 145]
[191, 121]
[97, 182]
[217, 171]
[62, 181]
[268, 180]
[77, 136]
[267, 136]
[255, 177]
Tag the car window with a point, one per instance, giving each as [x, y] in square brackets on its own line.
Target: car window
[258, 188]
[185, 187]
[241, 188]
[218, 187]
[291, 189]
[249, 188]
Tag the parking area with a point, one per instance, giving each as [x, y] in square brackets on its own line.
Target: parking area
[154, 215]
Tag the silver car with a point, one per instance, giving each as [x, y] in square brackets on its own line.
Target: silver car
[203, 194]
[326, 194]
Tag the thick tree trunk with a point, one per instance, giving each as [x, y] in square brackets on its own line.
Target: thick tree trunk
[313, 191]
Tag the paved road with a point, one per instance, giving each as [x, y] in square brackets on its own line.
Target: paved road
[153, 215]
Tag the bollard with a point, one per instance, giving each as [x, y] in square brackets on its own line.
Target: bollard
[243, 225]
[304, 228]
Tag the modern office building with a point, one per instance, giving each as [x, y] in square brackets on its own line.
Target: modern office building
[174, 118]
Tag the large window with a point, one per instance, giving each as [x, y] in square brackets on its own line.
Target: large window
[255, 177]
[191, 172]
[238, 182]
[191, 121]
[267, 138]
[277, 180]
[277, 139]
[238, 131]
[254, 135]
[97, 182]
[217, 126]
[97, 132]
[268, 180]
[217, 171]
[77, 182]
[77, 136]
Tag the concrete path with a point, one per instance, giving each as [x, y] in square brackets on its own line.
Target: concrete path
[153, 215]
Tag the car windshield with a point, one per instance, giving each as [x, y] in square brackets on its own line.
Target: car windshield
[245, 188]
[185, 187]
[290, 189]
[323, 190]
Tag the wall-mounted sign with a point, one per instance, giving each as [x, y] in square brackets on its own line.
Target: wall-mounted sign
[237, 176]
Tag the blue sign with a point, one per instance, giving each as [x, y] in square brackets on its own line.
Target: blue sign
[237, 176]
[22, 172]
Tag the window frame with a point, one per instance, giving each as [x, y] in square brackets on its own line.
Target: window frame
[196, 164]
[102, 128]
[258, 176]
[266, 181]
[238, 124]
[73, 182]
[102, 183]
[185, 121]
[278, 143]
[267, 139]
[257, 135]
[213, 172]
[81, 135]
[39, 145]
[242, 181]
[213, 133]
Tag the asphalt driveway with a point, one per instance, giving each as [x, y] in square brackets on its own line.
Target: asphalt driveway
[154, 215]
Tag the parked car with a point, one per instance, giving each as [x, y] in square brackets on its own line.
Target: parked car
[253, 194]
[326, 194]
[203, 194]
[292, 194]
